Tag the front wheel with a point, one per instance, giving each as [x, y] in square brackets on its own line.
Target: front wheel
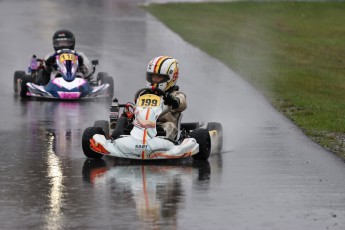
[87, 135]
[104, 125]
[203, 138]
[23, 87]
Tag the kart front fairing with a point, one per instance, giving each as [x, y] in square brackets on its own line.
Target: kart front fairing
[59, 88]
[154, 148]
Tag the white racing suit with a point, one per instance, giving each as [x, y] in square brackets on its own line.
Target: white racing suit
[169, 120]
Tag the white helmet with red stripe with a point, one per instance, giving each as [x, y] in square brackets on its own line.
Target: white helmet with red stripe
[166, 67]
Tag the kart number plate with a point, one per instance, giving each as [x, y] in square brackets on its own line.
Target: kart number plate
[67, 57]
[149, 100]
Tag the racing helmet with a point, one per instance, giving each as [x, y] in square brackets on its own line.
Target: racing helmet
[63, 39]
[166, 67]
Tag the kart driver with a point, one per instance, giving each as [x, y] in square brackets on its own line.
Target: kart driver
[162, 72]
[65, 39]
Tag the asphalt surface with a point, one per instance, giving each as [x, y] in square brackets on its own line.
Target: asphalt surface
[268, 176]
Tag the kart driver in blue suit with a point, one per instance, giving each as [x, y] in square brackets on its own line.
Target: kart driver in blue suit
[65, 39]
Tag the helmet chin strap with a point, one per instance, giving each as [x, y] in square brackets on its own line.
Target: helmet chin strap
[156, 86]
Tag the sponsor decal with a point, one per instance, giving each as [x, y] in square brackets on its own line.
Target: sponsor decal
[213, 132]
[114, 115]
[141, 146]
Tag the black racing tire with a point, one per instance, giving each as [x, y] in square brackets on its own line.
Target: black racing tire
[87, 135]
[189, 126]
[104, 125]
[101, 76]
[104, 78]
[43, 77]
[109, 80]
[215, 126]
[24, 87]
[17, 77]
[202, 136]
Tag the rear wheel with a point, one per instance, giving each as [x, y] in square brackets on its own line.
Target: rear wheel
[190, 125]
[109, 80]
[104, 125]
[23, 87]
[87, 135]
[104, 78]
[43, 77]
[17, 77]
[203, 138]
[216, 132]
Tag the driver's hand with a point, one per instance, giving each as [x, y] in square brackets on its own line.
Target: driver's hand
[174, 102]
[83, 69]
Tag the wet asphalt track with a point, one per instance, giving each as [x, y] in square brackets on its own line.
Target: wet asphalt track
[269, 176]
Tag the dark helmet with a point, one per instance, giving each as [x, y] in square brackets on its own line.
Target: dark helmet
[63, 39]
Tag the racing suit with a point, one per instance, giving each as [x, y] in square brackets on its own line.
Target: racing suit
[169, 121]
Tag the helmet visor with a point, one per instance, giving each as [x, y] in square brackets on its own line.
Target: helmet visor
[157, 78]
[63, 43]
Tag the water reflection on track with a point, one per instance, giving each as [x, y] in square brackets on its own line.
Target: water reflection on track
[58, 125]
[154, 188]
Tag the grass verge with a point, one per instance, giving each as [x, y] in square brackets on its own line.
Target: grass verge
[293, 52]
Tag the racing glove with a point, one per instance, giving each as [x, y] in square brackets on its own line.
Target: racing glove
[174, 102]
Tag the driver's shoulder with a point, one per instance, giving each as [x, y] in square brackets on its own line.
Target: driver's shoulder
[178, 93]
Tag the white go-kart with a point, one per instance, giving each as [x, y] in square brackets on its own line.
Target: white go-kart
[134, 132]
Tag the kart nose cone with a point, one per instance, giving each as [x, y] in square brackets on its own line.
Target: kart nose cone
[69, 76]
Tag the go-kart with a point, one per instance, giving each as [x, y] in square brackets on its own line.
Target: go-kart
[135, 133]
[65, 81]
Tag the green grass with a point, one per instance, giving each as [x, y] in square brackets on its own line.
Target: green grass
[293, 52]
